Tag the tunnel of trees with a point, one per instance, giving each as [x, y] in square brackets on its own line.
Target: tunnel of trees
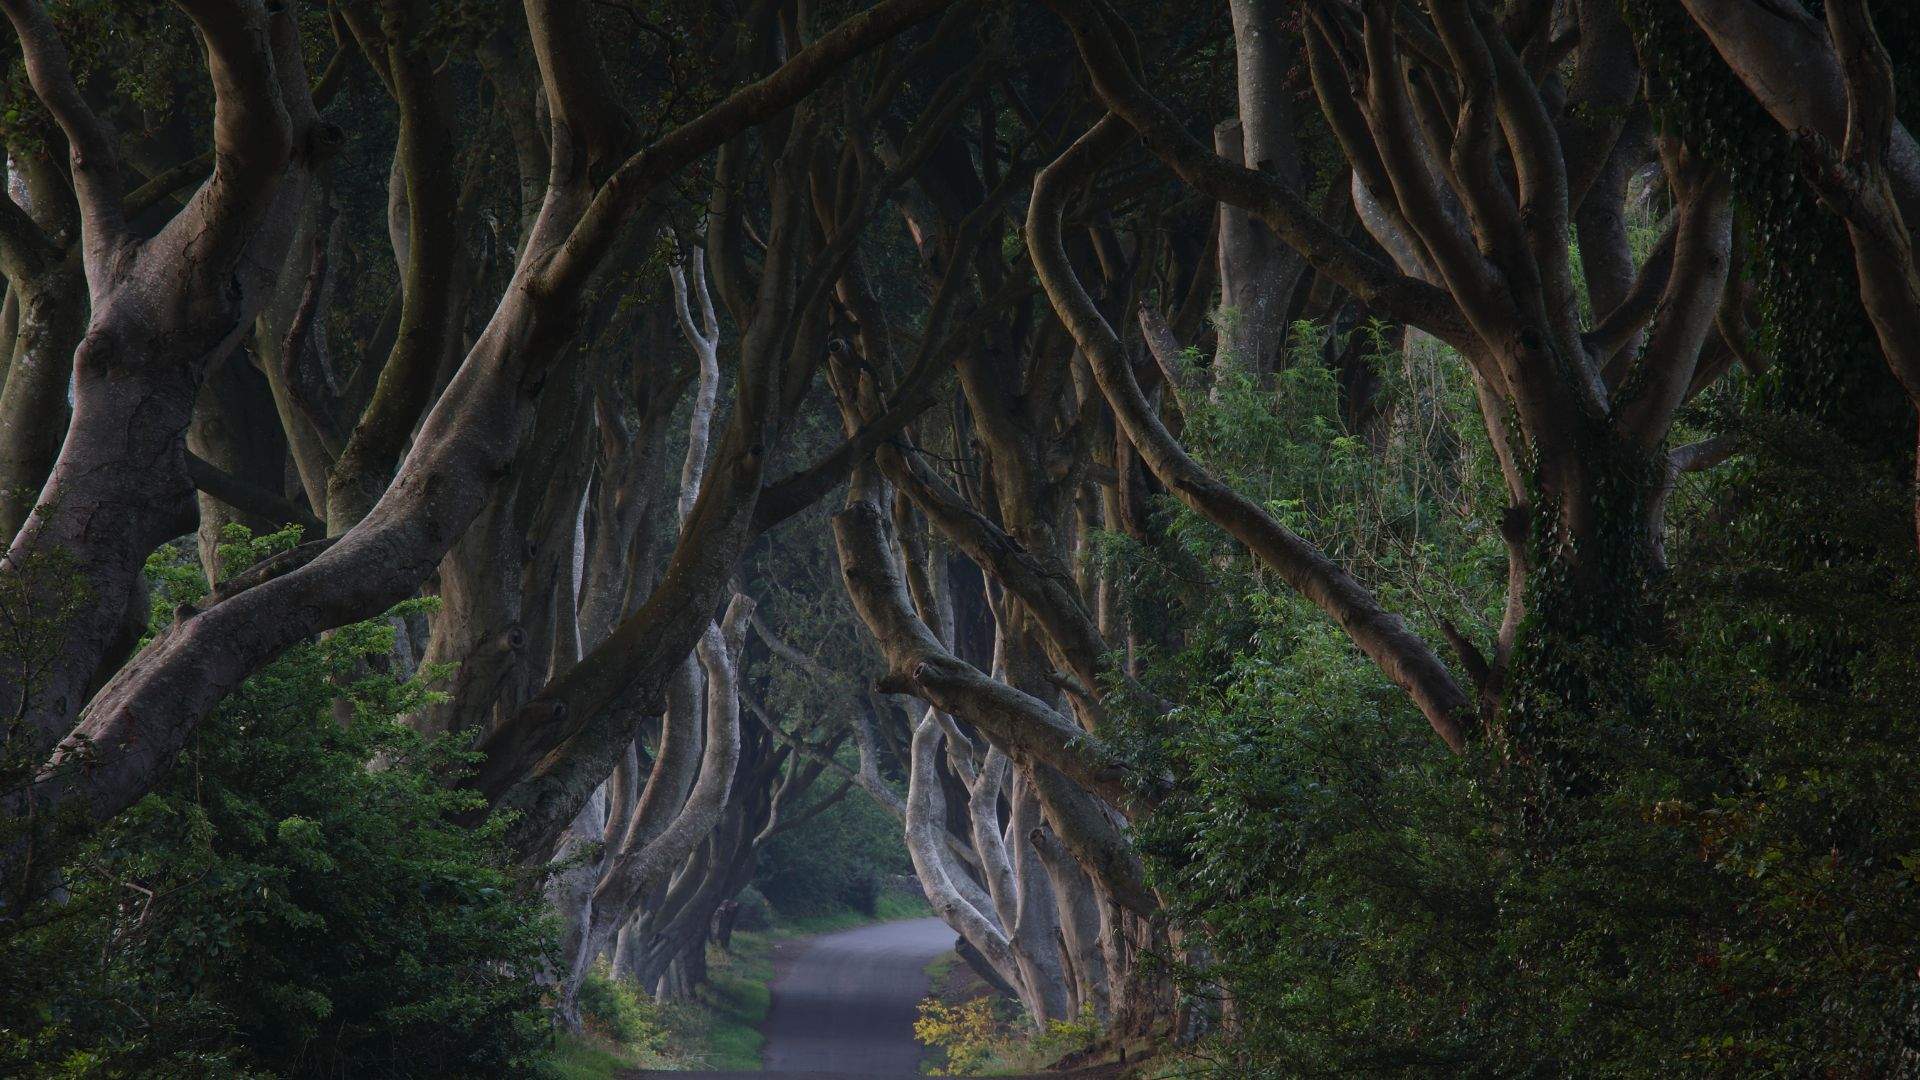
[1352, 536]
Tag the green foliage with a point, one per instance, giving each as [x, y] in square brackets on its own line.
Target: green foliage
[1729, 895]
[755, 912]
[839, 860]
[1284, 445]
[279, 906]
[1065, 1036]
[129, 54]
[616, 1011]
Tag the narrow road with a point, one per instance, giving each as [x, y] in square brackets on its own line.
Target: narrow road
[847, 1003]
[844, 1004]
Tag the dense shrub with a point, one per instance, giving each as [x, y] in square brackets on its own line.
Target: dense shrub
[278, 907]
[1730, 890]
[964, 1034]
[861, 891]
[616, 1011]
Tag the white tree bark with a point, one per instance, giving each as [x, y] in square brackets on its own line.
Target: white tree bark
[955, 897]
[637, 868]
[675, 810]
[1036, 927]
[1258, 273]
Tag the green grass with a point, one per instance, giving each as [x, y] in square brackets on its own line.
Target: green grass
[584, 1057]
[735, 1002]
[941, 968]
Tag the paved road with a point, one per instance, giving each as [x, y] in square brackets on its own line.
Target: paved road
[847, 1003]
[844, 1005]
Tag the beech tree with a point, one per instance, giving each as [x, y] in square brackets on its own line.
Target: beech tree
[599, 180]
[1474, 182]
[736, 409]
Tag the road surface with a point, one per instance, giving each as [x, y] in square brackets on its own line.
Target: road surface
[844, 1004]
[847, 1003]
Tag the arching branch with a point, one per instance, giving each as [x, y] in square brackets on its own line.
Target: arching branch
[1384, 637]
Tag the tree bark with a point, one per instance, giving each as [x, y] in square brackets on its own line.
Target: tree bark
[1257, 272]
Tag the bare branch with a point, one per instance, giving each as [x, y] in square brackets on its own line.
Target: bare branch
[1613, 330]
[1026, 728]
[635, 180]
[252, 130]
[1701, 258]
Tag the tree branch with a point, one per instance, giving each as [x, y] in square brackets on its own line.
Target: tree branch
[1384, 637]
[96, 163]
[1289, 215]
[1701, 258]
[248, 497]
[252, 129]
[917, 662]
[636, 179]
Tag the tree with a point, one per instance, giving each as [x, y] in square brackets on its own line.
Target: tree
[598, 182]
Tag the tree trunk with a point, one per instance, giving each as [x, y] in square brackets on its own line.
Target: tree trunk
[1258, 273]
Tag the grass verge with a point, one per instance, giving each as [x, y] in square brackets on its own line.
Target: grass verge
[734, 1003]
[589, 1057]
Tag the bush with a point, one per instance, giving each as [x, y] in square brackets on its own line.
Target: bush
[861, 891]
[616, 1011]
[1728, 892]
[988, 1035]
[277, 907]
[1070, 1036]
[964, 1033]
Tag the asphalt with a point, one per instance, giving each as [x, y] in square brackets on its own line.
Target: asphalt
[844, 1004]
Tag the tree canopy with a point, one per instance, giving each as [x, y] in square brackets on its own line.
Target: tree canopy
[1340, 536]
